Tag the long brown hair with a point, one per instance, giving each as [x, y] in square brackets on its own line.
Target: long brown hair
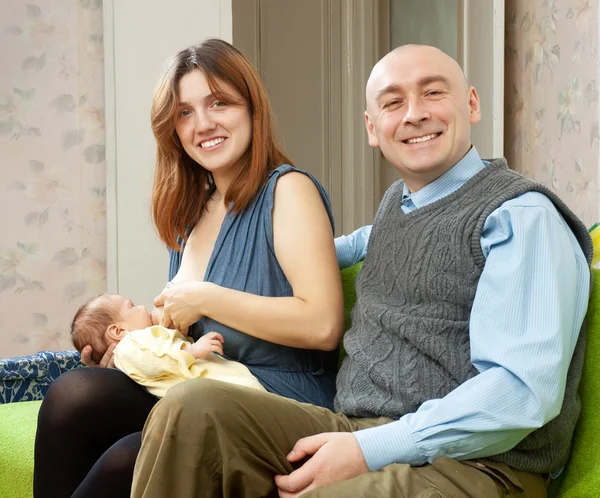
[181, 186]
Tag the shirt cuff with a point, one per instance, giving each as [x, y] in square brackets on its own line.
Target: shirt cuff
[387, 444]
[343, 251]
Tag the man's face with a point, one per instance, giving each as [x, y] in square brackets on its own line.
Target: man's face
[419, 112]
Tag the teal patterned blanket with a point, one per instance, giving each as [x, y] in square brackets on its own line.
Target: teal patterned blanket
[27, 378]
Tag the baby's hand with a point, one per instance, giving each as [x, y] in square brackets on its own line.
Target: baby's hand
[208, 343]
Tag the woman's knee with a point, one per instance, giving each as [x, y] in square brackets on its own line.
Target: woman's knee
[64, 397]
[119, 459]
[74, 394]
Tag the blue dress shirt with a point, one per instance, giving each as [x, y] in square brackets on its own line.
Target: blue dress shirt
[529, 306]
[350, 249]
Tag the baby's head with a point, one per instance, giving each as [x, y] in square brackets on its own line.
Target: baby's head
[104, 320]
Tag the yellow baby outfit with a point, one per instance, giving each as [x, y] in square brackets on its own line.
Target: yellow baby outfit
[154, 358]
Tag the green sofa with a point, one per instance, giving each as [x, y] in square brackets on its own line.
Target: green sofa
[581, 478]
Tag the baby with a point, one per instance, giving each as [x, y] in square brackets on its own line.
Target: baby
[152, 355]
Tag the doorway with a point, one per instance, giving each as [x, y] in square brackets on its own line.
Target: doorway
[315, 56]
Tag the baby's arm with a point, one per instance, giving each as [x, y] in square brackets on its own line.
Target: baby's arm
[208, 343]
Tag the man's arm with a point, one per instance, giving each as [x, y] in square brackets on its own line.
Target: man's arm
[350, 249]
[529, 306]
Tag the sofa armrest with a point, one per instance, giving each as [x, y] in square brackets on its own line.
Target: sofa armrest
[27, 378]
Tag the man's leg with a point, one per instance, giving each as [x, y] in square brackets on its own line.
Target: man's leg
[210, 438]
[445, 478]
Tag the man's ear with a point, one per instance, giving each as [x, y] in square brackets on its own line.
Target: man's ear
[373, 142]
[114, 332]
[474, 106]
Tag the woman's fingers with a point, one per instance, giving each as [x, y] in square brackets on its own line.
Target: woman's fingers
[86, 356]
[108, 360]
[166, 320]
[160, 299]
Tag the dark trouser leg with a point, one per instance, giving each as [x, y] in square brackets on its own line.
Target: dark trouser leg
[111, 475]
[83, 414]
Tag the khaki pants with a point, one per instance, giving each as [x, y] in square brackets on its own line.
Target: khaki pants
[211, 439]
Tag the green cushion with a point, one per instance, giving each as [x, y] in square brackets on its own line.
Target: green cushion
[348, 279]
[581, 478]
[582, 475]
[18, 422]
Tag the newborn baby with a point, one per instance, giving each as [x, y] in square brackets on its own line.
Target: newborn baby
[152, 355]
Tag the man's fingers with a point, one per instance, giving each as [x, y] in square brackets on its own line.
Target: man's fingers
[306, 446]
[286, 494]
[297, 480]
[86, 356]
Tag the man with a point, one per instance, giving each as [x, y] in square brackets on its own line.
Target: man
[465, 350]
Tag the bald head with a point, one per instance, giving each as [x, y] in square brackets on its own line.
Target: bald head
[419, 112]
[409, 61]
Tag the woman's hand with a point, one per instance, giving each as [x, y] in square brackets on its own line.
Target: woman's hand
[157, 315]
[107, 360]
[182, 302]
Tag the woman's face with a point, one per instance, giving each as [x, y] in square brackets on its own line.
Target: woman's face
[214, 134]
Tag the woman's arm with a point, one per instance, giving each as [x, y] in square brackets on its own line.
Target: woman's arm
[303, 241]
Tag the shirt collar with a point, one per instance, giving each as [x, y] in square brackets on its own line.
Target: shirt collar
[449, 182]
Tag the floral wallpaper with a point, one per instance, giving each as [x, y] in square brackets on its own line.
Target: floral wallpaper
[53, 172]
[551, 98]
[52, 145]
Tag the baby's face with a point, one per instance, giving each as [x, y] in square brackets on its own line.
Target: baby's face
[132, 317]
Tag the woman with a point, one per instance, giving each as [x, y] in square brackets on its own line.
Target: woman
[252, 257]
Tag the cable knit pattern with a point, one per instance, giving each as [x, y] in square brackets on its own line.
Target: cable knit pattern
[409, 340]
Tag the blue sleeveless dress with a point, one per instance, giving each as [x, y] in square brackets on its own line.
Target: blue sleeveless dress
[244, 259]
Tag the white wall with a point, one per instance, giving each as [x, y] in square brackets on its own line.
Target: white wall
[139, 36]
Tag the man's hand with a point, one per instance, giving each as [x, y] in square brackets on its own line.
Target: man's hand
[336, 456]
[107, 360]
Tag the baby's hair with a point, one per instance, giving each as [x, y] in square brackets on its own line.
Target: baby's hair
[90, 323]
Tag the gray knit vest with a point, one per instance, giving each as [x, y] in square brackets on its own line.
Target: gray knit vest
[409, 340]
